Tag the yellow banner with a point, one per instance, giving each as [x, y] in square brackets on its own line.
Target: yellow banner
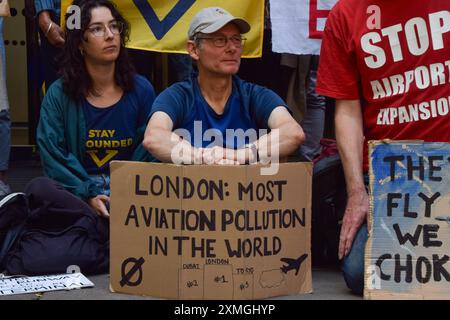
[162, 25]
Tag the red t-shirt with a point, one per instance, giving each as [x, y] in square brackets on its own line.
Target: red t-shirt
[394, 56]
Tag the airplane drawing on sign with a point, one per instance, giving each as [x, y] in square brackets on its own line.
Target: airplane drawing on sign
[161, 27]
[292, 264]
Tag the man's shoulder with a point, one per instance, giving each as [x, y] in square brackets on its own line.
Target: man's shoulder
[175, 101]
[181, 92]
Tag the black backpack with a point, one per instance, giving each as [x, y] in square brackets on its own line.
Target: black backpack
[329, 199]
[43, 240]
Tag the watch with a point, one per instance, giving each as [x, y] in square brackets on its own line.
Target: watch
[254, 149]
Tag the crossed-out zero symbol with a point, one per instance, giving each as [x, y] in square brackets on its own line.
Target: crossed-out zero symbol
[126, 276]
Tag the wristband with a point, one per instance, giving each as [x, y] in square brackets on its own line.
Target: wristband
[254, 150]
[49, 28]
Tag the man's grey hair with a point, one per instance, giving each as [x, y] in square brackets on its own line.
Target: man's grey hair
[196, 38]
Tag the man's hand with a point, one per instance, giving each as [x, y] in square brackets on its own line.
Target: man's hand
[219, 155]
[98, 203]
[356, 212]
[54, 35]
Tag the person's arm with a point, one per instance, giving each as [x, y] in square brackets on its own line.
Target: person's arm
[167, 146]
[285, 137]
[160, 141]
[49, 28]
[167, 110]
[146, 99]
[99, 204]
[58, 162]
[350, 141]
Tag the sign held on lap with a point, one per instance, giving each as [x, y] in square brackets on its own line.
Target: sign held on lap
[210, 232]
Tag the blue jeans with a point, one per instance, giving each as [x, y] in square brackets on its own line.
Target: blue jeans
[314, 119]
[5, 120]
[353, 263]
[102, 181]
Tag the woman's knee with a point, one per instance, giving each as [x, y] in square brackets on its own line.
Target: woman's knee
[40, 187]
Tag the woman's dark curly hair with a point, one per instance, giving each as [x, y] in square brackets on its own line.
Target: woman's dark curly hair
[76, 80]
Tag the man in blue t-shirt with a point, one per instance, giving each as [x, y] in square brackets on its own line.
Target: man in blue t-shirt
[215, 117]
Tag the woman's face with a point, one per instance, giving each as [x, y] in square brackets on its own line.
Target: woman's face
[101, 43]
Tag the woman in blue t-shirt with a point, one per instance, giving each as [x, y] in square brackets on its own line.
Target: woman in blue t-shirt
[95, 113]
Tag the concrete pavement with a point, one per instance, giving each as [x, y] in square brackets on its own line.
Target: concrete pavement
[328, 284]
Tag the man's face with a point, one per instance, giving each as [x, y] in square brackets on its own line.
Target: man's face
[212, 57]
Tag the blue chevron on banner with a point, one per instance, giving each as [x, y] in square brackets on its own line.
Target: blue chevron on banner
[161, 27]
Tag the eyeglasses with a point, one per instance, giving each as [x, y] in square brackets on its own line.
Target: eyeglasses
[99, 30]
[222, 41]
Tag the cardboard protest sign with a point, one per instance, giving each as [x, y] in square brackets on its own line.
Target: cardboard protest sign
[210, 232]
[407, 254]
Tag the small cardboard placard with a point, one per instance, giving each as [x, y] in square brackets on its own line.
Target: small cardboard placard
[23, 285]
[210, 232]
[407, 254]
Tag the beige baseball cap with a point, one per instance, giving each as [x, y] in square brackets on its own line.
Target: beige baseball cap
[209, 20]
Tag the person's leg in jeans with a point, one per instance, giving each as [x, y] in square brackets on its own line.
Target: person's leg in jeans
[5, 120]
[353, 263]
[314, 119]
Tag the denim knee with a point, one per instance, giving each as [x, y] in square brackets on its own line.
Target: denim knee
[353, 263]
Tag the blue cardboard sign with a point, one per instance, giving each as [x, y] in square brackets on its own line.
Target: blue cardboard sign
[407, 253]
